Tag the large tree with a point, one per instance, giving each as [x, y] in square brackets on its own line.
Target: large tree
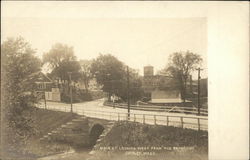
[109, 72]
[62, 61]
[180, 66]
[19, 64]
[57, 54]
[112, 75]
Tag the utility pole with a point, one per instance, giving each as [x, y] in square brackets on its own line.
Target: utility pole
[128, 94]
[199, 77]
[70, 87]
[44, 88]
[191, 85]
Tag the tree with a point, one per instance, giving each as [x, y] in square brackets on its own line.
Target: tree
[61, 60]
[85, 72]
[64, 68]
[109, 72]
[135, 89]
[57, 54]
[18, 97]
[112, 75]
[180, 66]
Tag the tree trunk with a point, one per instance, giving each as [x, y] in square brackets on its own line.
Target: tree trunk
[184, 90]
[86, 86]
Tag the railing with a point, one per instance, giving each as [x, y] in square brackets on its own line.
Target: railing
[175, 109]
[197, 123]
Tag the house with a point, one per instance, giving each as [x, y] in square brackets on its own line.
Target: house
[163, 96]
[46, 87]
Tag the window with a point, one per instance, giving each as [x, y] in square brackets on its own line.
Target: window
[41, 86]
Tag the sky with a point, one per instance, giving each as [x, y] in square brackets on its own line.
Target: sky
[136, 41]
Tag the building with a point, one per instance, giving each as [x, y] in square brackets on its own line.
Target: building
[148, 71]
[160, 89]
[46, 87]
[163, 96]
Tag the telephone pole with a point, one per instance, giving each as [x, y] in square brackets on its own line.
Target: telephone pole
[128, 94]
[70, 87]
[199, 77]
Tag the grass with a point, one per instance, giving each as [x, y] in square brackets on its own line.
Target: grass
[137, 135]
[169, 143]
[44, 122]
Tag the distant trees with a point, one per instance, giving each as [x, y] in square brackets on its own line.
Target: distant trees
[85, 72]
[19, 64]
[180, 66]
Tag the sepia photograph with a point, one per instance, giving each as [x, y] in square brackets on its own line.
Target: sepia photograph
[99, 81]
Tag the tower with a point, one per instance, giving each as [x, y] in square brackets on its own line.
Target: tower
[148, 71]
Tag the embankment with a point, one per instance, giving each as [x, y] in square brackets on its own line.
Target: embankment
[131, 141]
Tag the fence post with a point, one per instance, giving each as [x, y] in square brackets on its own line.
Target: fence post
[143, 118]
[118, 116]
[199, 124]
[134, 118]
[181, 122]
[155, 119]
[167, 121]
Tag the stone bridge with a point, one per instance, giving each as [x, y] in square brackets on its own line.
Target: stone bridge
[82, 131]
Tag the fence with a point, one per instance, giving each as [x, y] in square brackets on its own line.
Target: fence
[175, 109]
[197, 123]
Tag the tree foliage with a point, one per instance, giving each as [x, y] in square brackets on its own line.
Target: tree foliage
[19, 64]
[112, 75]
[61, 60]
[58, 54]
[180, 67]
[109, 72]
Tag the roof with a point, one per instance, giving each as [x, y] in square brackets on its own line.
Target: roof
[173, 100]
[41, 77]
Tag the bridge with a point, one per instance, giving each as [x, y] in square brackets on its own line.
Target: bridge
[81, 131]
[96, 110]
